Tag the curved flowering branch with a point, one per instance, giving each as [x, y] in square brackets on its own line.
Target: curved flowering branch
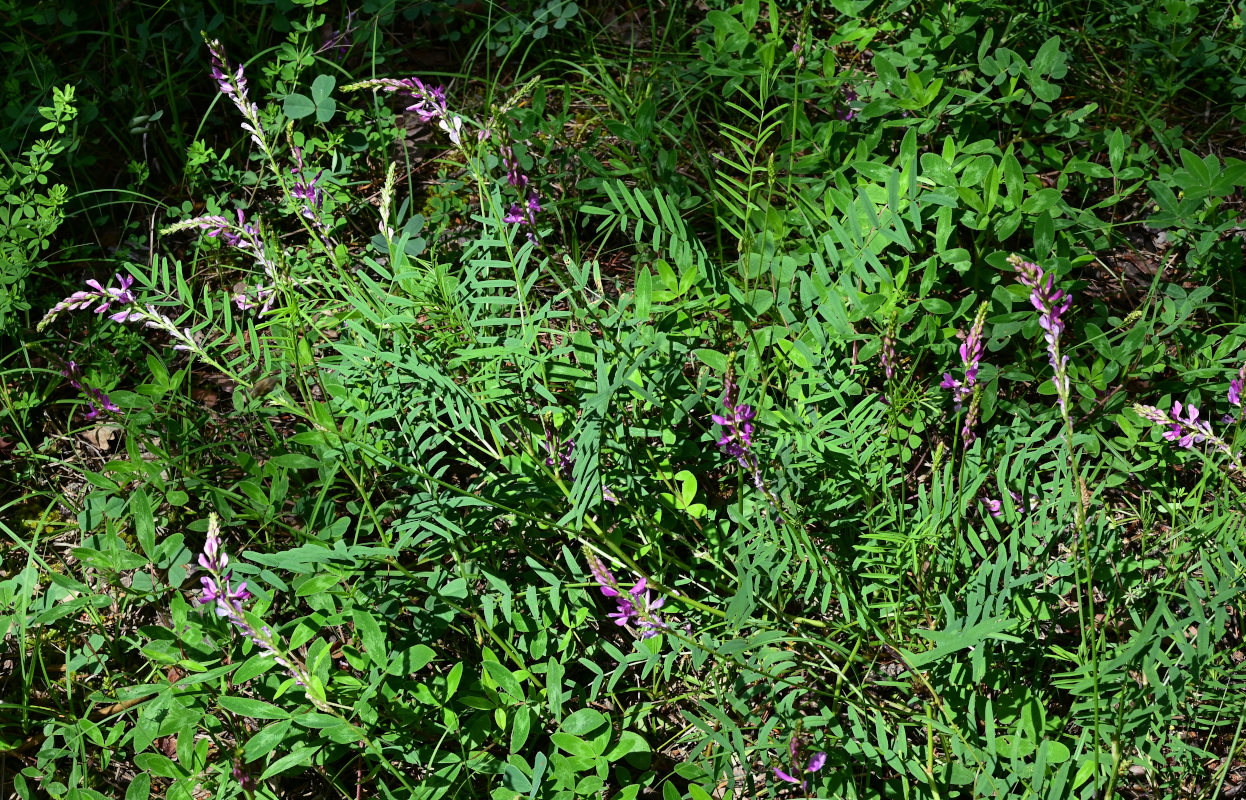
[246, 237]
[227, 601]
[234, 86]
[1189, 431]
[105, 297]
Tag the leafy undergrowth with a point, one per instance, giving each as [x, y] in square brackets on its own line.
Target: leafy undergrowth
[602, 401]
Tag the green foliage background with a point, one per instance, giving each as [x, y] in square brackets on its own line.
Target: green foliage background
[749, 193]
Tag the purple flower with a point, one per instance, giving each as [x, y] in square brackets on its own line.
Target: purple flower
[429, 101]
[305, 190]
[1051, 303]
[816, 762]
[245, 780]
[737, 435]
[105, 404]
[847, 112]
[994, 507]
[632, 606]
[1189, 431]
[336, 40]
[513, 176]
[971, 357]
[559, 456]
[234, 86]
[103, 296]
[524, 215]
[74, 373]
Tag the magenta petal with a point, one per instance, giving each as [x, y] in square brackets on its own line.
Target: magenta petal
[816, 762]
[783, 776]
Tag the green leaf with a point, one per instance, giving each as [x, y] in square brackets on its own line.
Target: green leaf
[713, 359]
[266, 740]
[520, 729]
[326, 110]
[505, 680]
[322, 87]
[573, 745]
[144, 522]
[255, 709]
[298, 758]
[1040, 201]
[644, 293]
[297, 106]
[294, 461]
[257, 664]
[139, 788]
[629, 742]
[370, 633]
[583, 721]
[316, 584]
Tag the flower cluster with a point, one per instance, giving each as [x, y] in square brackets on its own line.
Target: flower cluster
[1051, 303]
[105, 297]
[737, 425]
[246, 237]
[130, 311]
[305, 190]
[887, 354]
[218, 587]
[234, 86]
[633, 605]
[517, 214]
[559, 455]
[227, 601]
[338, 40]
[74, 374]
[1189, 431]
[846, 112]
[1235, 394]
[526, 214]
[429, 102]
[971, 358]
[815, 763]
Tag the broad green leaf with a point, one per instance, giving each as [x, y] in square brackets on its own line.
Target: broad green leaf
[297, 106]
[255, 709]
[370, 633]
